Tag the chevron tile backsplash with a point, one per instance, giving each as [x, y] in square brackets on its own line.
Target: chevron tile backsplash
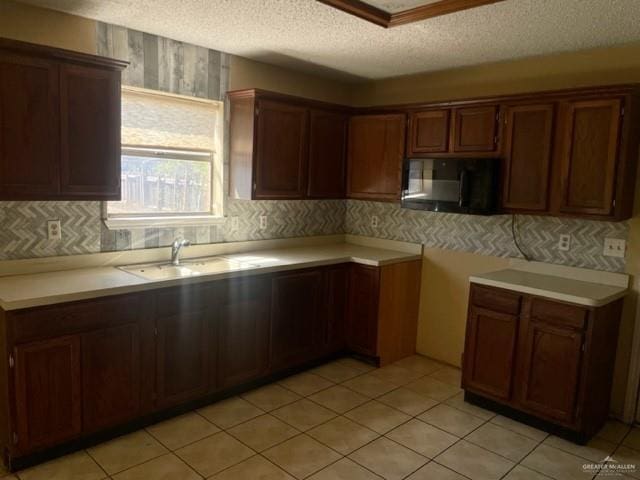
[538, 235]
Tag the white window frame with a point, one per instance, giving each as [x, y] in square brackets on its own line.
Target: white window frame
[215, 215]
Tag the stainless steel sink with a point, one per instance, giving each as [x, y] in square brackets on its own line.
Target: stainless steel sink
[187, 268]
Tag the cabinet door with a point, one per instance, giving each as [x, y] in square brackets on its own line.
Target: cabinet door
[589, 156]
[243, 338]
[376, 148]
[47, 392]
[110, 376]
[551, 367]
[294, 317]
[29, 122]
[528, 134]
[489, 356]
[362, 333]
[281, 152]
[90, 132]
[327, 154]
[429, 132]
[475, 129]
[184, 345]
[335, 307]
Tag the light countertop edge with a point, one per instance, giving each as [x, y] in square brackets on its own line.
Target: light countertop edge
[129, 283]
[551, 294]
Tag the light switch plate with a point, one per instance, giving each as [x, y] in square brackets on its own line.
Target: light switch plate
[54, 230]
[614, 247]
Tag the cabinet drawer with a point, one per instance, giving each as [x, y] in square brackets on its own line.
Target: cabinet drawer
[174, 301]
[495, 299]
[68, 318]
[559, 313]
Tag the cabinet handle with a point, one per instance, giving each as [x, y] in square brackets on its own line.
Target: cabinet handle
[12, 362]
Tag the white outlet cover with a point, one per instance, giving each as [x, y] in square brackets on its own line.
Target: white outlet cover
[263, 222]
[235, 223]
[564, 243]
[374, 221]
[614, 247]
[54, 230]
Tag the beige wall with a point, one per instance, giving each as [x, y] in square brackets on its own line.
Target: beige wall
[46, 27]
[245, 73]
[565, 70]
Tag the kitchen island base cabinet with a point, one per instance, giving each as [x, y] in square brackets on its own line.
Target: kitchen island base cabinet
[84, 371]
[550, 361]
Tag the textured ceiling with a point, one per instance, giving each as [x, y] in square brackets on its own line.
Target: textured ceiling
[311, 36]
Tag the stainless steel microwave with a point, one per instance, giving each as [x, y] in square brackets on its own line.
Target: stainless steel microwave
[458, 185]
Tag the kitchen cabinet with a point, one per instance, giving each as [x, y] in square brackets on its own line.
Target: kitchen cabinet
[547, 361]
[528, 135]
[295, 328]
[376, 150]
[81, 370]
[590, 149]
[243, 316]
[283, 147]
[327, 154]
[60, 124]
[429, 132]
[363, 309]
[111, 370]
[184, 325]
[48, 388]
[334, 307]
[475, 129]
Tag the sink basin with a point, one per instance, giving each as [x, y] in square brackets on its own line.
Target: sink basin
[187, 268]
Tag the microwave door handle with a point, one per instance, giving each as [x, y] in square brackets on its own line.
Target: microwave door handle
[463, 193]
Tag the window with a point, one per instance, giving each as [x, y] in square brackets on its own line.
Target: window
[171, 161]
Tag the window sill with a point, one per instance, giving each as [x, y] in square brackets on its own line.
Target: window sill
[118, 223]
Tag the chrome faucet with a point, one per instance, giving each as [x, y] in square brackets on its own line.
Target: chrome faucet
[176, 247]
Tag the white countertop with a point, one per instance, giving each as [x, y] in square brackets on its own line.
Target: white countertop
[593, 289]
[46, 288]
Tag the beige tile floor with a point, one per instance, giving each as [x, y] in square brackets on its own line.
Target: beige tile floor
[345, 421]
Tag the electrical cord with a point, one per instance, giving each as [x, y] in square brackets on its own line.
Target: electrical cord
[515, 238]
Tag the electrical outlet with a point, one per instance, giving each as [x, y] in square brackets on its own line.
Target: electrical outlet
[263, 222]
[374, 221]
[564, 243]
[54, 230]
[235, 223]
[614, 247]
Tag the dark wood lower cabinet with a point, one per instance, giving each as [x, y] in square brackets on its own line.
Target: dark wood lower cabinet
[552, 361]
[82, 370]
[110, 376]
[48, 387]
[243, 326]
[295, 301]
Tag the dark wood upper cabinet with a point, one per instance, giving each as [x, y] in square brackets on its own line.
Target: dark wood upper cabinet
[281, 151]
[243, 330]
[376, 150]
[327, 154]
[90, 132]
[528, 135]
[284, 147]
[295, 305]
[184, 341]
[475, 129]
[59, 124]
[589, 156]
[111, 374]
[48, 388]
[29, 123]
[428, 132]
